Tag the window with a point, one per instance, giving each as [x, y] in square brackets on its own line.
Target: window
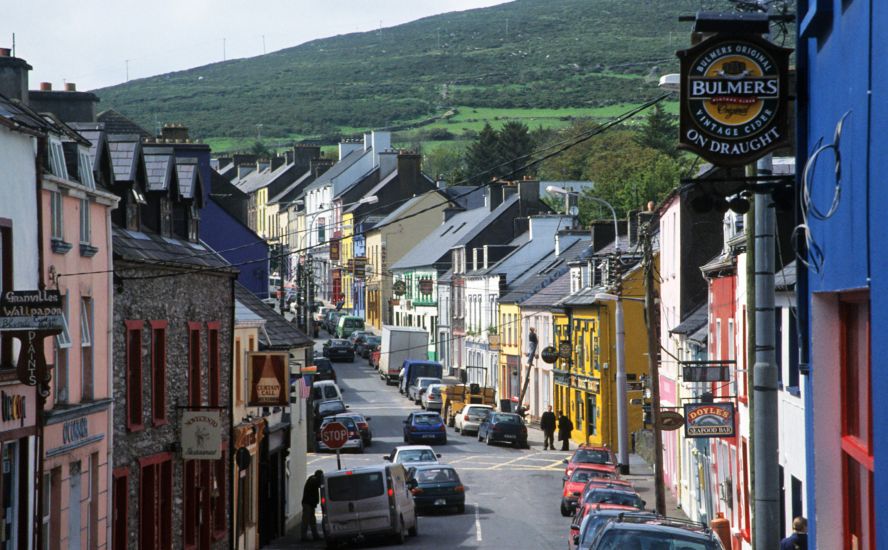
[194, 363]
[92, 541]
[6, 283]
[57, 164]
[193, 222]
[57, 226]
[731, 352]
[84, 221]
[239, 373]
[155, 501]
[190, 520]
[86, 349]
[133, 375]
[215, 373]
[62, 345]
[856, 407]
[46, 520]
[219, 504]
[158, 372]
[321, 231]
[84, 170]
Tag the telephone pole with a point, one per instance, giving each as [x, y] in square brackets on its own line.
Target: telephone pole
[651, 319]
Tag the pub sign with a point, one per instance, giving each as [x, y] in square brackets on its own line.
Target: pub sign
[709, 420]
[733, 98]
[269, 380]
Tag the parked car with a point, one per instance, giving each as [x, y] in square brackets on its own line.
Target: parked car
[338, 349]
[363, 423]
[589, 520]
[322, 390]
[505, 428]
[436, 486]
[331, 319]
[419, 386]
[425, 426]
[324, 369]
[357, 336]
[589, 454]
[614, 495]
[431, 398]
[347, 324]
[574, 485]
[412, 455]
[330, 407]
[355, 441]
[368, 501]
[367, 346]
[639, 531]
[470, 418]
[599, 483]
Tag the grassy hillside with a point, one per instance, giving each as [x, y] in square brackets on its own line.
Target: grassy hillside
[539, 60]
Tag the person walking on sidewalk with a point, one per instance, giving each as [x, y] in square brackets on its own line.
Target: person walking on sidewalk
[565, 426]
[311, 496]
[547, 424]
[798, 540]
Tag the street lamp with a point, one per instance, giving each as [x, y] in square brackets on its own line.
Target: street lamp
[670, 82]
[622, 394]
[562, 191]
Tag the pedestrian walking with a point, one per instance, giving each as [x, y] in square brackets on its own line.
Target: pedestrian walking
[565, 426]
[311, 496]
[547, 424]
[798, 540]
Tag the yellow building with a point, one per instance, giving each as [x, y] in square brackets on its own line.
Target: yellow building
[346, 253]
[510, 350]
[585, 386]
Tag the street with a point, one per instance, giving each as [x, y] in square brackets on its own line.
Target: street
[512, 495]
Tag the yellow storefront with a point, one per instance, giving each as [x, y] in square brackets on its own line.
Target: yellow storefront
[510, 365]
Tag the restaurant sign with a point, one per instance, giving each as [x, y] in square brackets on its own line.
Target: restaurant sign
[269, 380]
[733, 107]
[709, 420]
[201, 435]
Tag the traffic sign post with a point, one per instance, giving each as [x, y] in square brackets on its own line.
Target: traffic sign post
[334, 435]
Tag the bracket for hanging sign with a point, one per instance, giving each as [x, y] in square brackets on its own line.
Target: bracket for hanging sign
[706, 371]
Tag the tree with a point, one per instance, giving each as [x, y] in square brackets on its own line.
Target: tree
[482, 157]
[446, 162]
[514, 145]
[660, 132]
[260, 149]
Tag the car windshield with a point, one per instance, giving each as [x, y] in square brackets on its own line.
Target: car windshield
[417, 455]
[338, 343]
[427, 419]
[354, 323]
[436, 475]
[355, 487]
[582, 476]
[331, 406]
[507, 419]
[638, 539]
[435, 390]
[374, 340]
[615, 497]
[346, 421]
[479, 411]
[426, 382]
[593, 456]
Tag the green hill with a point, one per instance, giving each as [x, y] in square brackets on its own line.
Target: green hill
[527, 54]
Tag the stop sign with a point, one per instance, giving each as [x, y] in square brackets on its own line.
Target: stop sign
[334, 435]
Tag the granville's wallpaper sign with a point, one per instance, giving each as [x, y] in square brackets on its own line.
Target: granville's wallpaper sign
[733, 99]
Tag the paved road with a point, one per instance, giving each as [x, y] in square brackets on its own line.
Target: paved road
[513, 495]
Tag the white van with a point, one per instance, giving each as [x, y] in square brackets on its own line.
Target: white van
[374, 500]
[323, 390]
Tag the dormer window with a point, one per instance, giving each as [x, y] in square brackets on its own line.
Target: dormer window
[576, 279]
[57, 159]
[84, 170]
[166, 217]
[193, 222]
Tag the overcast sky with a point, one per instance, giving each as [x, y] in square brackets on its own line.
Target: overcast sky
[88, 42]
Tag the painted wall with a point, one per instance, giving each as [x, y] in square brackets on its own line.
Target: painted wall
[239, 245]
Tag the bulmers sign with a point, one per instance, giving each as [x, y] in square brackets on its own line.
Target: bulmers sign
[733, 98]
[709, 420]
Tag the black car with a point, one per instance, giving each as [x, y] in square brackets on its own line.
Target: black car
[329, 407]
[368, 346]
[505, 428]
[363, 423]
[435, 487]
[638, 531]
[338, 349]
[325, 369]
[357, 337]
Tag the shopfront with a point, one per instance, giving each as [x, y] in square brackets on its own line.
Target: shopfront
[18, 430]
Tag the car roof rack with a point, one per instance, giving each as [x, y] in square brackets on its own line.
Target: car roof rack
[667, 521]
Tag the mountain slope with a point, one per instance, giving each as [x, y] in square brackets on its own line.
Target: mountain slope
[527, 53]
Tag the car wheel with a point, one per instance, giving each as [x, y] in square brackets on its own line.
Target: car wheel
[406, 440]
[479, 436]
[400, 535]
[489, 441]
[415, 529]
[564, 511]
[460, 508]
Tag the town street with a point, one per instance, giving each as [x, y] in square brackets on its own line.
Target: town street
[512, 497]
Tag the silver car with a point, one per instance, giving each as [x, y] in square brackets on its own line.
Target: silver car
[431, 398]
[470, 418]
[415, 391]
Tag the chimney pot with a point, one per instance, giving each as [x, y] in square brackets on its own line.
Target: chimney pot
[5, 52]
[46, 86]
[70, 87]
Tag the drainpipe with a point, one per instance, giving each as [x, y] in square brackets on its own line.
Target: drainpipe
[41, 284]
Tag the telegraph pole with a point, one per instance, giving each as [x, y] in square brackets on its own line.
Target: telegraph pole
[651, 316]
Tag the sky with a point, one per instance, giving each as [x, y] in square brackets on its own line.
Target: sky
[97, 43]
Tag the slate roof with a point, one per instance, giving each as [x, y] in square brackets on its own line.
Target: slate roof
[94, 132]
[550, 294]
[116, 123]
[785, 279]
[125, 150]
[490, 218]
[137, 246]
[399, 211]
[586, 296]
[338, 168]
[435, 248]
[257, 179]
[278, 333]
[547, 271]
[466, 196]
[694, 321]
[159, 165]
[294, 190]
[14, 113]
[189, 177]
[243, 314]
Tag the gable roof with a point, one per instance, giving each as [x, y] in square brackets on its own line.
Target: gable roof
[292, 191]
[152, 248]
[257, 179]
[435, 248]
[125, 151]
[189, 178]
[399, 211]
[116, 123]
[697, 319]
[466, 196]
[159, 166]
[549, 294]
[338, 168]
[278, 333]
[551, 268]
[487, 220]
[20, 117]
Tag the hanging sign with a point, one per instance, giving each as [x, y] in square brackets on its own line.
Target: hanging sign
[733, 98]
[671, 420]
[399, 288]
[201, 435]
[268, 379]
[709, 420]
[334, 249]
[564, 349]
[31, 310]
[549, 354]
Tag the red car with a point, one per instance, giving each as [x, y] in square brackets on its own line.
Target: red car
[579, 477]
[581, 513]
[596, 483]
[589, 454]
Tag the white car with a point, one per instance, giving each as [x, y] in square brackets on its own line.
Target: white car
[414, 392]
[470, 418]
[411, 455]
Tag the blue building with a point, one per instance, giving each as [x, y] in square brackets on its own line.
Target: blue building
[843, 289]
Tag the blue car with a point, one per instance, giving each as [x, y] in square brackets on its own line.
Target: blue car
[424, 427]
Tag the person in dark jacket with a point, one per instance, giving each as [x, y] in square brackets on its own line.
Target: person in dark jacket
[798, 540]
[547, 424]
[311, 496]
[532, 342]
[565, 426]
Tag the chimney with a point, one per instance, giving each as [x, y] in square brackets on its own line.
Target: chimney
[46, 86]
[528, 197]
[68, 105]
[276, 162]
[13, 76]
[177, 133]
[289, 156]
[347, 146]
[474, 259]
[451, 211]
[388, 163]
[557, 244]
[380, 141]
[603, 233]
[319, 166]
[485, 256]
[409, 174]
[70, 87]
[303, 155]
[441, 183]
[495, 195]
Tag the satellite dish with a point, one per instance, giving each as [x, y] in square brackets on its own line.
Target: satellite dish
[574, 211]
